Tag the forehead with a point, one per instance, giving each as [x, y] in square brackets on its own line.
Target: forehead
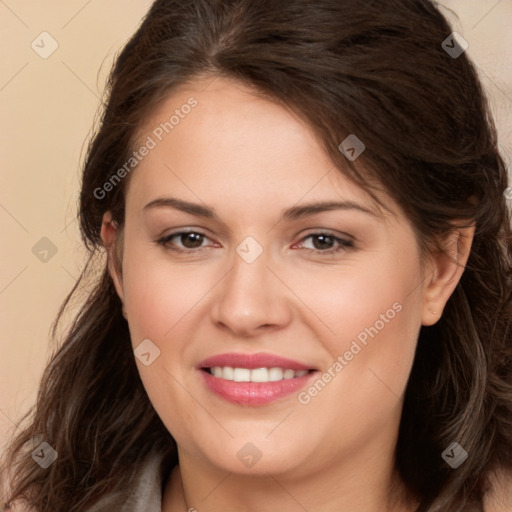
[215, 135]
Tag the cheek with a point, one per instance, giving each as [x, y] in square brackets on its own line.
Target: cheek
[160, 295]
[376, 297]
[161, 300]
[375, 318]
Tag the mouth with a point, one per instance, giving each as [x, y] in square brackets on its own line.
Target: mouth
[273, 374]
[254, 379]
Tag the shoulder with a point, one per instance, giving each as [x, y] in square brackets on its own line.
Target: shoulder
[499, 497]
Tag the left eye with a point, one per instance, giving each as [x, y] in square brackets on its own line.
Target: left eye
[324, 242]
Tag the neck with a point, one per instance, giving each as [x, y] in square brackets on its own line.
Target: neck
[369, 484]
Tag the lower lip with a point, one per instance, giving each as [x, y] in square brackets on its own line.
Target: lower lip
[254, 393]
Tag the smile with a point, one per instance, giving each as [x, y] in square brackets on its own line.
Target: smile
[255, 374]
[254, 379]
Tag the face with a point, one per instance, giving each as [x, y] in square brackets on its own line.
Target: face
[307, 316]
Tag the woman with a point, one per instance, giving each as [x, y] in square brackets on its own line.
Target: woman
[305, 303]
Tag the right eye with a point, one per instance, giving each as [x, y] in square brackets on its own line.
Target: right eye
[189, 241]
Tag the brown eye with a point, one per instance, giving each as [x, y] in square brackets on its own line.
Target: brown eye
[322, 242]
[191, 240]
[326, 243]
[186, 240]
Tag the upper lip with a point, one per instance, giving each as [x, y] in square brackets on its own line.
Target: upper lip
[250, 361]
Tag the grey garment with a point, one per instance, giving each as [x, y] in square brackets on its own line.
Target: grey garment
[146, 495]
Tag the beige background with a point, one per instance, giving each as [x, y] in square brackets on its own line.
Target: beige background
[47, 111]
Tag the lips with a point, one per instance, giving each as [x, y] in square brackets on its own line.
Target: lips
[253, 379]
[250, 361]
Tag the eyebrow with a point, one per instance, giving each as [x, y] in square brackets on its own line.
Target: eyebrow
[293, 213]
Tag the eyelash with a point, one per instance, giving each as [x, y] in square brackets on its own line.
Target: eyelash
[344, 245]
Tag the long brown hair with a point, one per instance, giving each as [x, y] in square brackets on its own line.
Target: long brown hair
[374, 69]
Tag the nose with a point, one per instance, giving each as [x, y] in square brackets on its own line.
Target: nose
[251, 300]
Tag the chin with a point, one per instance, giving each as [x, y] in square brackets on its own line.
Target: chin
[254, 455]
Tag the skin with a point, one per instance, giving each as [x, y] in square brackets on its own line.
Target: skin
[249, 159]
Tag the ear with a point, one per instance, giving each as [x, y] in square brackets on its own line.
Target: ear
[109, 235]
[446, 269]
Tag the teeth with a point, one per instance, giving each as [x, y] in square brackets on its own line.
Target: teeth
[288, 374]
[241, 375]
[256, 374]
[227, 373]
[275, 374]
[259, 375]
